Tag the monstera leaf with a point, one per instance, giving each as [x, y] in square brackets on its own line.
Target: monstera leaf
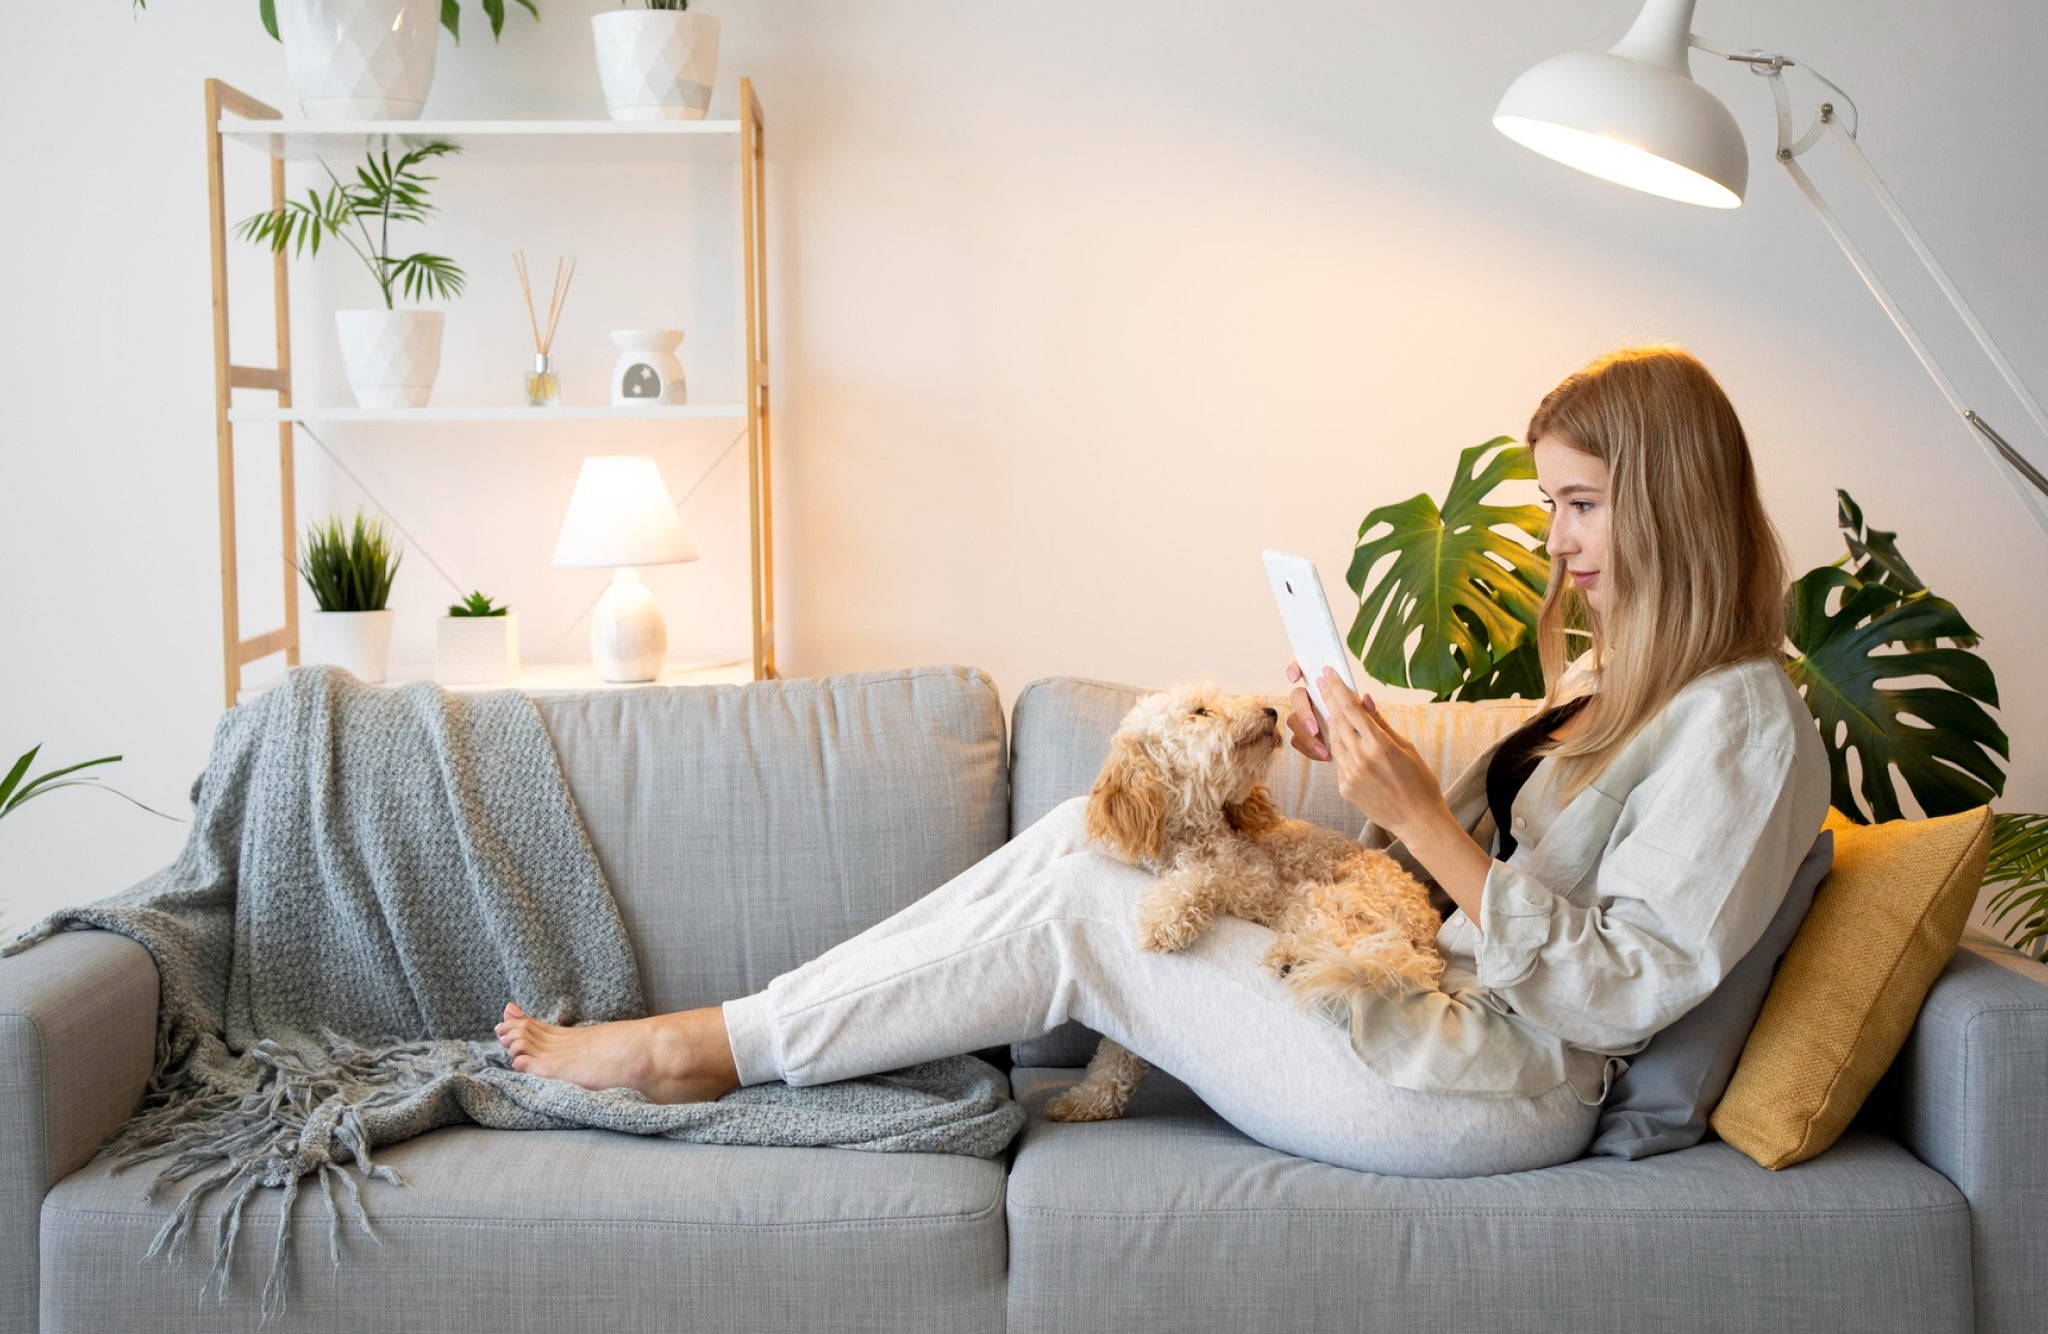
[1470, 592]
[1875, 558]
[1949, 758]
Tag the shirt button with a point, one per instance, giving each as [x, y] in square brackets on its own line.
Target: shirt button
[1520, 822]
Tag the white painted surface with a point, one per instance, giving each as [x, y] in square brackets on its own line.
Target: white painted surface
[1074, 310]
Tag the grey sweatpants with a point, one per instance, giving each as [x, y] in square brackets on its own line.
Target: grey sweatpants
[1041, 931]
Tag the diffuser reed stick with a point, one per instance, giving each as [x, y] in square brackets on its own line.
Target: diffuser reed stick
[543, 386]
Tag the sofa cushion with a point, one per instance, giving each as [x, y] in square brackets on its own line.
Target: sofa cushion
[1884, 925]
[1662, 1101]
[1171, 1220]
[747, 829]
[1060, 735]
[553, 1230]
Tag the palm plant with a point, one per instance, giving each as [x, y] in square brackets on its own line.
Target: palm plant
[359, 213]
[348, 569]
[17, 787]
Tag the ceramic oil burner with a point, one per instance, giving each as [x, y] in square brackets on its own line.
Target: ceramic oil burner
[647, 373]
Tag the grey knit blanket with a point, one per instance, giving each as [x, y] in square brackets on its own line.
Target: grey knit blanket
[370, 875]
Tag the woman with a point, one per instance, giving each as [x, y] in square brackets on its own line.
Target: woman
[1609, 862]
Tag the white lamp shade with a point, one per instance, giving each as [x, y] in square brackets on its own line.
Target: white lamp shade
[1633, 114]
[621, 514]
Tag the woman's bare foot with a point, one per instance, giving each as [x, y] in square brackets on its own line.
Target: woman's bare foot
[680, 1057]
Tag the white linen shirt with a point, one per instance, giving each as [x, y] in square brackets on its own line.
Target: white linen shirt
[1621, 911]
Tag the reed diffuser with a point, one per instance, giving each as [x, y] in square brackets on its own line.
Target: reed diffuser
[543, 386]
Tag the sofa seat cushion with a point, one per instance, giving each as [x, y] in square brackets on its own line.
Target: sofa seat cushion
[556, 1230]
[1169, 1219]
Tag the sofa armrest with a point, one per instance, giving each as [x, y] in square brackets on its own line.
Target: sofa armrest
[77, 1041]
[1971, 1091]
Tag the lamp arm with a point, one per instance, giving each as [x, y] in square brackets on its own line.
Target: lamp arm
[1772, 65]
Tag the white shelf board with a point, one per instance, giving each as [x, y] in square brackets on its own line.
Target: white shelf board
[516, 140]
[534, 678]
[537, 416]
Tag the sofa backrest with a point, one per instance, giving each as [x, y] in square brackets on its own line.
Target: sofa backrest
[747, 829]
[1062, 725]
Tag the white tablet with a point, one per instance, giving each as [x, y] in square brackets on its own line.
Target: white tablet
[1311, 630]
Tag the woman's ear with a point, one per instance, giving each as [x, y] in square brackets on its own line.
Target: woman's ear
[1127, 808]
[1256, 815]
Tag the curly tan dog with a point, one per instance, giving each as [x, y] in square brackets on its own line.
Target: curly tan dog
[1181, 796]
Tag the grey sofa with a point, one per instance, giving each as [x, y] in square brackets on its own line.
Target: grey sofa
[745, 829]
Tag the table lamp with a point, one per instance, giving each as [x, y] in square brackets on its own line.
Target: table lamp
[620, 517]
[1633, 115]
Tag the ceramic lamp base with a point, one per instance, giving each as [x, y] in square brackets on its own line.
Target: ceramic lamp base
[628, 637]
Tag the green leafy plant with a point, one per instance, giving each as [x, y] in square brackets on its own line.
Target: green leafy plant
[2019, 863]
[17, 787]
[476, 604]
[1463, 591]
[348, 569]
[359, 213]
[451, 15]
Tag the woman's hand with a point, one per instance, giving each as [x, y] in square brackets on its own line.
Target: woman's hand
[1302, 732]
[1379, 771]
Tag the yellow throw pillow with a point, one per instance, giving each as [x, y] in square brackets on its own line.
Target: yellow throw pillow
[1882, 927]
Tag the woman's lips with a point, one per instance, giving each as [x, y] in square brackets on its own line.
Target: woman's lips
[1585, 579]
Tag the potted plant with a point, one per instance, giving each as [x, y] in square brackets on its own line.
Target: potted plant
[391, 355]
[476, 642]
[350, 572]
[366, 59]
[658, 62]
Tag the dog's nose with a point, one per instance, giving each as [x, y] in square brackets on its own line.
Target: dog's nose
[1272, 713]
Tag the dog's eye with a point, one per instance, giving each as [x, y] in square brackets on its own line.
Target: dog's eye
[1201, 713]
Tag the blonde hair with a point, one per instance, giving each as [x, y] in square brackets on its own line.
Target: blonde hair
[1694, 569]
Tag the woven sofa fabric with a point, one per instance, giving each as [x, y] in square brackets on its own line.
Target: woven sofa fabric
[747, 829]
[1969, 1095]
[1060, 734]
[77, 1037]
[1169, 1220]
[557, 1230]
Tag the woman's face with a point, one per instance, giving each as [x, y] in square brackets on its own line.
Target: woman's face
[1574, 487]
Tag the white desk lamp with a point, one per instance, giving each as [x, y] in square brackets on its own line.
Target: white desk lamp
[1633, 115]
[621, 516]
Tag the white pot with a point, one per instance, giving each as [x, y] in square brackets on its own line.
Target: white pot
[357, 640]
[648, 373]
[360, 59]
[656, 64]
[476, 649]
[391, 356]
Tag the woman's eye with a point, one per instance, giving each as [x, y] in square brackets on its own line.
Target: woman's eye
[1582, 506]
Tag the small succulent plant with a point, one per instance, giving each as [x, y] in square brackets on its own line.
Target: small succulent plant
[476, 604]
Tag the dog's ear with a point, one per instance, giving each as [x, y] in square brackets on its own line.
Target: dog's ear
[1127, 808]
[1256, 815]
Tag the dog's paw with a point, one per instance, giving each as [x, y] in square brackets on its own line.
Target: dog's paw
[1168, 931]
[1282, 958]
[1084, 1103]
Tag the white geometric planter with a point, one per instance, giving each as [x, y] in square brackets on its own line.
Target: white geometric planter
[476, 650]
[656, 64]
[391, 356]
[357, 640]
[360, 59]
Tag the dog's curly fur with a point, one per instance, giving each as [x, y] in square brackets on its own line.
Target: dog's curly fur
[1181, 796]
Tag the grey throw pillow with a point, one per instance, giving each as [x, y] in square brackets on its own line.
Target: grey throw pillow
[1662, 1101]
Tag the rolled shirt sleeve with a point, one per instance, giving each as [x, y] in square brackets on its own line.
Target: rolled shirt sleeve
[1679, 895]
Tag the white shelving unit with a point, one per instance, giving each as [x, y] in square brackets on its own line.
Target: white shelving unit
[234, 117]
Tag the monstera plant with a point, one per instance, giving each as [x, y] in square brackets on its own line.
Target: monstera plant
[1454, 613]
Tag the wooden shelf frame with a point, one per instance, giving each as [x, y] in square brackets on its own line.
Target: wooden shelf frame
[242, 113]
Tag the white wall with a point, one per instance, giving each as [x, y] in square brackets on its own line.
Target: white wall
[1074, 309]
